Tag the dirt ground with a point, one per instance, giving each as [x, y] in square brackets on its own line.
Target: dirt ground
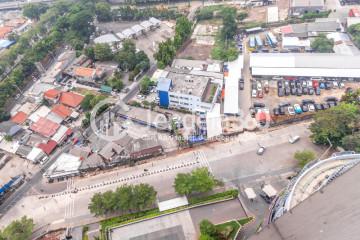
[195, 51]
[257, 14]
[271, 100]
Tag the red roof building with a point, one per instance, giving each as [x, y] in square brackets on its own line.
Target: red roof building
[48, 147]
[45, 127]
[19, 117]
[354, 12]
[52, 94]
[61, 110]
[71, 99]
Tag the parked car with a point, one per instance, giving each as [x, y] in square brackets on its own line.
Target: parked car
[331, 104]
[311, 108]
[260, 94]
[293, 91]
[241, 85]
[254, 93]
[341, 85]
[317, 91]
[298, 92]
[309, 83]
[318, 107]
[335, 84]
[265, 197]
[325, 106]
[287, 91]
[292, 84]
[259, 86]
[297, 83]
[276, 111]
[331, 99]
[328, 85]
[282, 110]
[304, 84]
[284, 104]
[315, 83]
[322, 85]
[291, 110]
[286, 83]
[307, 101]
[304, 108]
[258, 105]
[305, 90]
[280, 92]
[297, 108]
[280, 84]
[311, 91]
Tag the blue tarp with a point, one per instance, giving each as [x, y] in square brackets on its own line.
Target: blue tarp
[8, 185]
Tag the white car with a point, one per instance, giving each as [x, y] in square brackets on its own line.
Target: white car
[291, 110]
[254, 93]
[259, 87]
[311, 108]
[309, 83]
[341, 85]
[294, 139]
[335, 84]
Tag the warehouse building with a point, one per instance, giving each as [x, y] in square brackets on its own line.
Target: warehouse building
[299, 7]
[327, 65]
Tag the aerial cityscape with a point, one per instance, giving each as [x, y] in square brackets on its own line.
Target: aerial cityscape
[179, 119]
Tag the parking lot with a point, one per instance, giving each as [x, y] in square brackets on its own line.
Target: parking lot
[274, 93]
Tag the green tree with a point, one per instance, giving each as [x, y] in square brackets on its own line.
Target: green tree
[351, 142]
[206, 237]
[115, 82]
[8, 138]
[352, 97]
[90, 52]
[335, 123]
[229, 28]
[34, 10]
[144, 196]
[97, 205]
[322, 44]
[304, 157]
[86, 103]
[208, 228]
[102, 52]
[198, 181]
[145, 84]
[103, 11]
[19, 229]
[165, 53]
[242, 15]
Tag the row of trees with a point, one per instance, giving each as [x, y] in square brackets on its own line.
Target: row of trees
[18, 230]
[167, 50]
[354, 30]
[340, 124]
[127, 198]
[225, 48]
[132, 14]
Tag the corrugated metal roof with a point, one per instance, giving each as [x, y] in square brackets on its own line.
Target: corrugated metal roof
[163, 84]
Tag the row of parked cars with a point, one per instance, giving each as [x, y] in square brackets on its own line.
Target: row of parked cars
[305, 87]
[258, 88]
[307, 105]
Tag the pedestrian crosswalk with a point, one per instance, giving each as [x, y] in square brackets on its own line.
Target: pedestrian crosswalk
[202, 159]
[70, 200]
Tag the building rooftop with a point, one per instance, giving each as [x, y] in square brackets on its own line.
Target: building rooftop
[42, 111]
[52, 93]
[307, 3]
[137, 28]
[65, 164]
[107, 38]
[71, 99]
[61, 110]
[331, 213]
[4, 31]
[19, 117]
[48, 147]
[163, 84]
[45, 127]
[208, 65]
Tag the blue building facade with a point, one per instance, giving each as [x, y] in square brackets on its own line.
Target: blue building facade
[163, 87]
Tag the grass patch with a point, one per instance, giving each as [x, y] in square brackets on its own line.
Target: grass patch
[215, 197]
[224, 51]
[85, 229]
[245, 221]
[229, 229]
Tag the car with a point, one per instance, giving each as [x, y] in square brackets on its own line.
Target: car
[315, 83]
[309, 83]
[305, 90]
[286, 83]
[291, 110]
[328, 85]
[253, 85]
[294, 139]
[287, 91]
[318, 107]
[241, 85]
[304, 84]
[297, 108]
[258, 105]
[307, 101]
[335, 85]
[260, 150]
[311, 107]
[341, 85]
[279, 84]
[254, 93]
[276, 111]
[331, 99]
[293, 91]
[311, 91]
[317, 91]
[292, 84]
[259, 86]
[304, 108]
[260, 94]
[297, 83]
[298, 92]
[325, 106]
[284, 104]
[280, 92]
[282, 110]
[322, 85]
[331, 104]
[265, 197]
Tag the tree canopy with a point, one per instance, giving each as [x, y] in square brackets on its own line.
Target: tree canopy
[125, 198]
[351, 142]
[34, 10]
[103, 11]
[102, 52]
[322, 44]
[304, 157]
[198, 181]
[354, 30]
[335, 123]
[18, 229]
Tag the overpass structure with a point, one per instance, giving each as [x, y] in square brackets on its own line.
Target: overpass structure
[14, 5]
[312, 178]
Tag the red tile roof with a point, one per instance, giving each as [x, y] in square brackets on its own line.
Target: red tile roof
[19, 117]
[45, 127]
[84, 72]
[4, 31]
[71, 99]
[61, 110]
[51, 93]
[286, 29]
[48, 147]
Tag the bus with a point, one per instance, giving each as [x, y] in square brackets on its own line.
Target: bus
[252, 42]
[258, 41]
[271, 39]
